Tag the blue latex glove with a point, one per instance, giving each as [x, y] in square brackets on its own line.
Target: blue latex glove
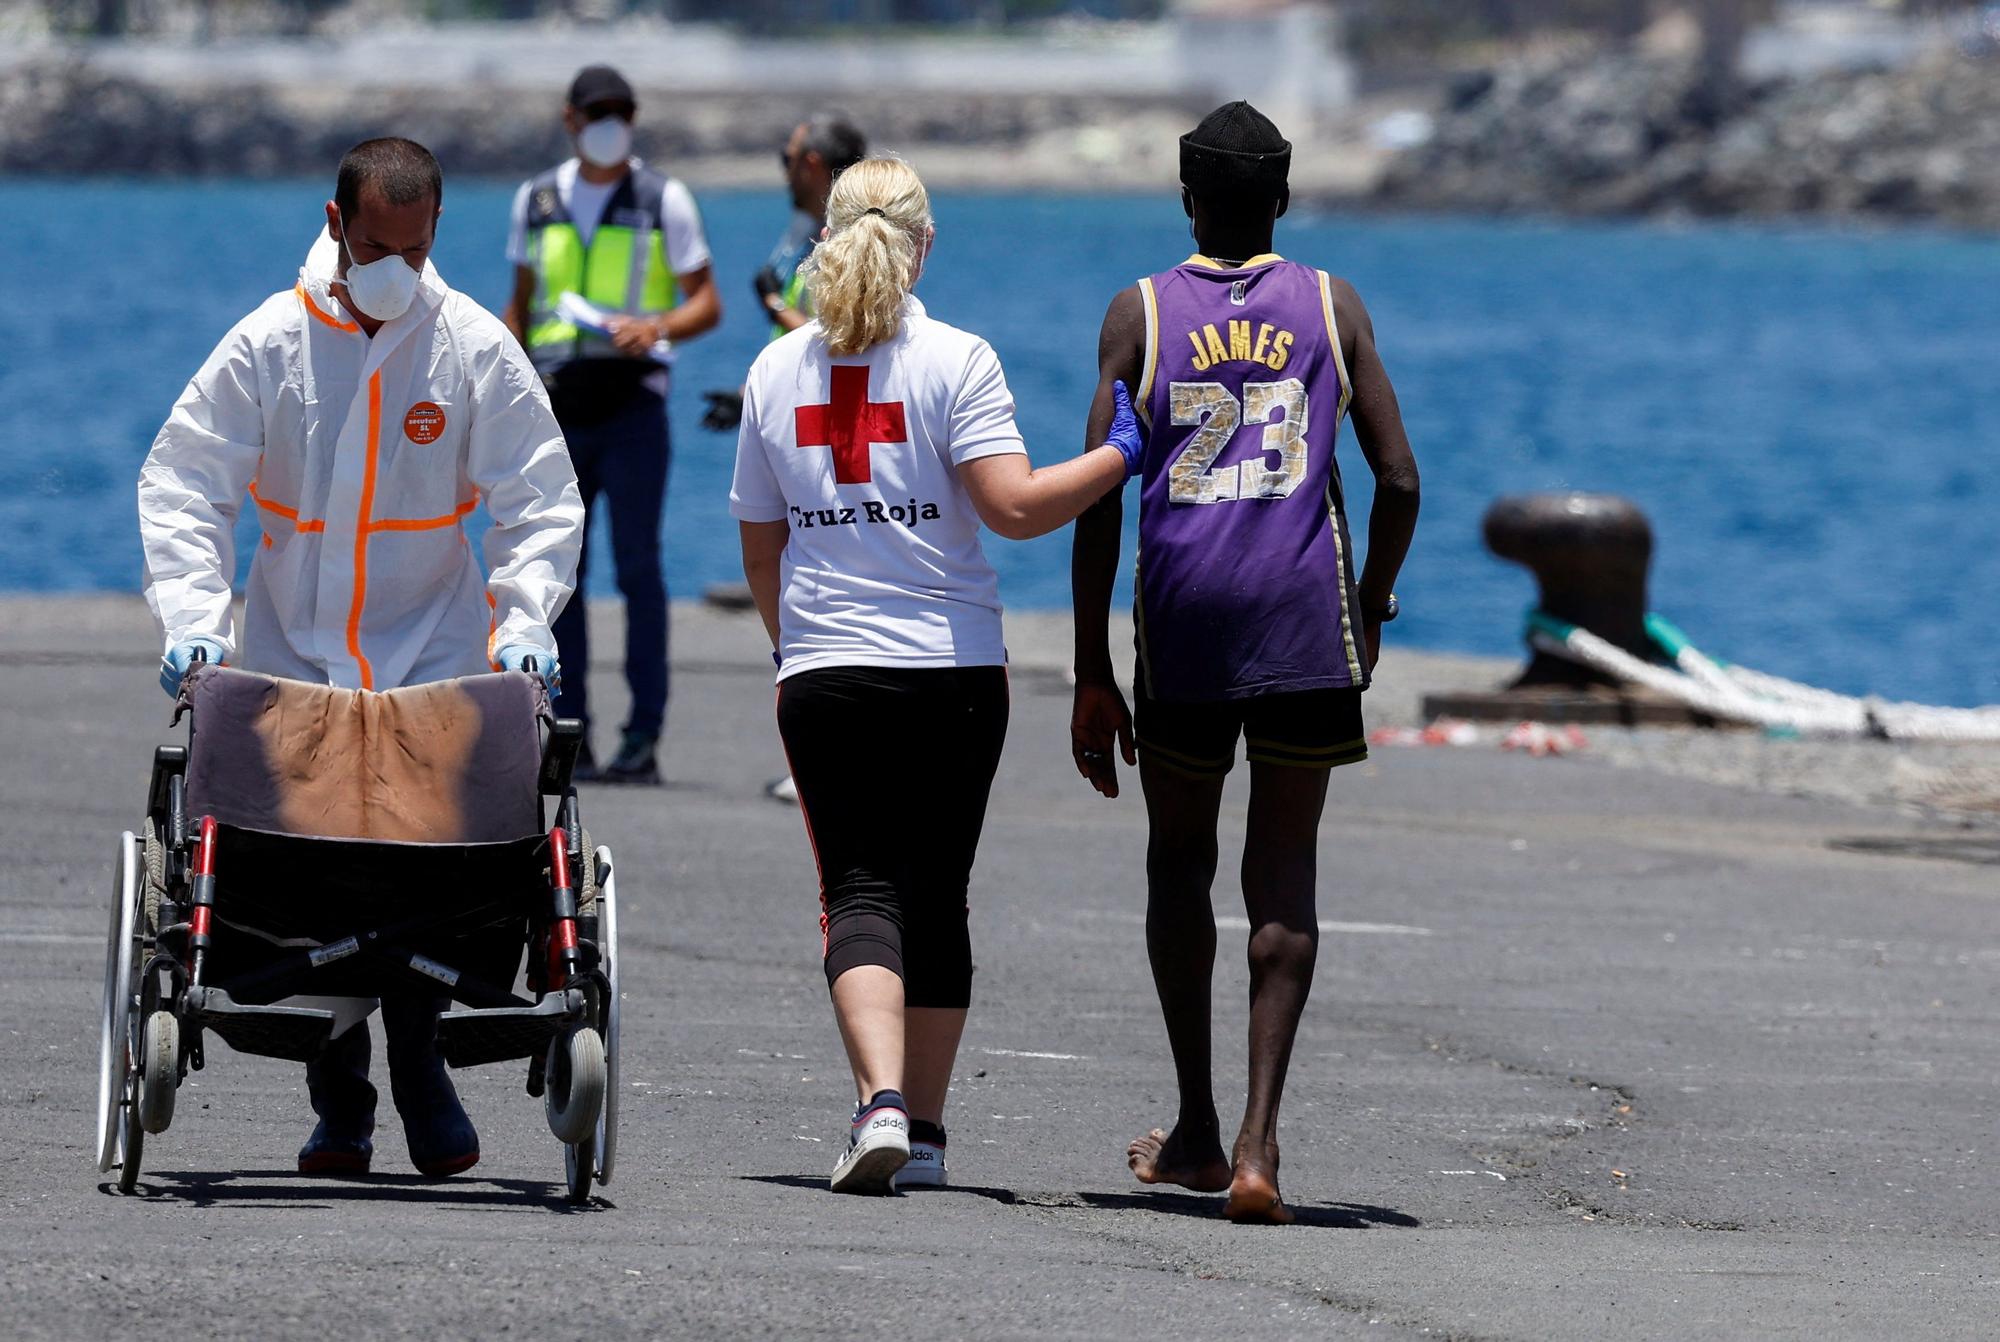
[1126, 435]
[174, 666]
[514, 657]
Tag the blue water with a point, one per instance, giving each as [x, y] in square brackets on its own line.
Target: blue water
[1809, 418]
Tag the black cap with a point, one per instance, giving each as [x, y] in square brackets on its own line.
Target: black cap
[1236, 150]
[599, 84]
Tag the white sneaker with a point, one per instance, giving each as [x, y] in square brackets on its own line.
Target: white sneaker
[926, 1168]
[783, 790]
[878, 1145]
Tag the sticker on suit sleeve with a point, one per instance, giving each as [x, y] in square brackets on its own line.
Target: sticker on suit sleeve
[424, 423]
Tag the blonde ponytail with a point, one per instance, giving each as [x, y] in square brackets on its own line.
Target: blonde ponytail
[879, 221]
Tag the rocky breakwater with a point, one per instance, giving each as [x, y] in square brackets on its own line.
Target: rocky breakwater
[1631, 134]
[67, 117]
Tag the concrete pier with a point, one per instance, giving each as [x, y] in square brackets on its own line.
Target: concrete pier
[1592, 1051]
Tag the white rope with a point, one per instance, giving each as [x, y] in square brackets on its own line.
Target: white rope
[1770, 701]
[1896, 720]
[1717, 700]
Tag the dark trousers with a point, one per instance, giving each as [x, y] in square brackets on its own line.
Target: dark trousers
[893, 769]
[624, 457]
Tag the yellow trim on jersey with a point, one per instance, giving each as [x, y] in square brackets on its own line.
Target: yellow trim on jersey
[1145, 676]
[1261, 259]
[1354, 668]
[1333, 335]
[1142, 397]
[1347, 588]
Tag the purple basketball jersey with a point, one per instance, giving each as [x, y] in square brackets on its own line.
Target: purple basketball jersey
[1246, 571]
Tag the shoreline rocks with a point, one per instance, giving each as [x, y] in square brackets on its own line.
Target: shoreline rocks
[70, 118]
[1635, 135]
[1618, 134]
[73, 119]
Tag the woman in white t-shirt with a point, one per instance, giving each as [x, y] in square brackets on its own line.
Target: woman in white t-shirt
[874, 443]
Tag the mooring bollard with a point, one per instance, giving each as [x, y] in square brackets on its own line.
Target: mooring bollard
[1590, 554]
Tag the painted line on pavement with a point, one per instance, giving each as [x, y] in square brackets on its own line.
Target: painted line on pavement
[1029, 1053]
[1237, 922]
[1329, 925]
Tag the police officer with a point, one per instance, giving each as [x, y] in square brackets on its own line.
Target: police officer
[819, 150]
[611, 270]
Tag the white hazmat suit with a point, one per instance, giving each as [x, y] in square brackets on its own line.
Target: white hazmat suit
[363, 457]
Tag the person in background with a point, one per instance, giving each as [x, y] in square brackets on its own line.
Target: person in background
[611, 270]
[1250, 620]
[819, 150]
[366, 412]
[874, 442]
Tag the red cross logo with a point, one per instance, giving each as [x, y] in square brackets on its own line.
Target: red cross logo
[851, 424]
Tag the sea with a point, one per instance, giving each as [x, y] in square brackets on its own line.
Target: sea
[1810, 418]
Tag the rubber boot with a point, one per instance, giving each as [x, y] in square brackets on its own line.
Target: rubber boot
[337, 1083]
[442, 1139]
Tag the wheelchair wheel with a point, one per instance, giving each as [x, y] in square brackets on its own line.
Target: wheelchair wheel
[153, 877]
[160, 1071]
[578, 1161]
[132, 1144]
[574, 1094]
[121, 969]
[607, 944]
[585, 875]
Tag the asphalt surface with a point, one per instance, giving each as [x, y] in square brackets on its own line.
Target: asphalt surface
[1591, 1051]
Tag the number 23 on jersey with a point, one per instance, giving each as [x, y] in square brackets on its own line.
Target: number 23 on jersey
[1194, 478]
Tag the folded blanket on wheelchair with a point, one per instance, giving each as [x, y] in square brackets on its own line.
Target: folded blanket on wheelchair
[454, 762]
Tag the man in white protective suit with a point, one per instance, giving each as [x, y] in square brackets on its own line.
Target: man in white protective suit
[366, 412]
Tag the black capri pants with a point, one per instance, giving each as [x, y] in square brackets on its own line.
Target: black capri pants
[893, 768]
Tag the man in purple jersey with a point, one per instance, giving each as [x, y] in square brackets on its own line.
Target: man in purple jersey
[1250, 619]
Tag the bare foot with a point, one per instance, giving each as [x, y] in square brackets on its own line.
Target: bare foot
[1253, 1188]
[1157, 1158]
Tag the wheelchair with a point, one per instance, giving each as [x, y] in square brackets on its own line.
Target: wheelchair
[308, 842]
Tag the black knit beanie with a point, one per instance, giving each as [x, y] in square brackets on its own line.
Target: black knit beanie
[1235, 151]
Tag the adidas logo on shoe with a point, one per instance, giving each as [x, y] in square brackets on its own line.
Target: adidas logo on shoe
[926, 1167]
[878, 1145]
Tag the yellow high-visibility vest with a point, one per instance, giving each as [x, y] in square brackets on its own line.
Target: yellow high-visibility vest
[624, 269]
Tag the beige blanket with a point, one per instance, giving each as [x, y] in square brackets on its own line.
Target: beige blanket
[451, 762]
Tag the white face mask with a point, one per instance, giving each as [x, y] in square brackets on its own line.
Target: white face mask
[381, 289]
[606, 142]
